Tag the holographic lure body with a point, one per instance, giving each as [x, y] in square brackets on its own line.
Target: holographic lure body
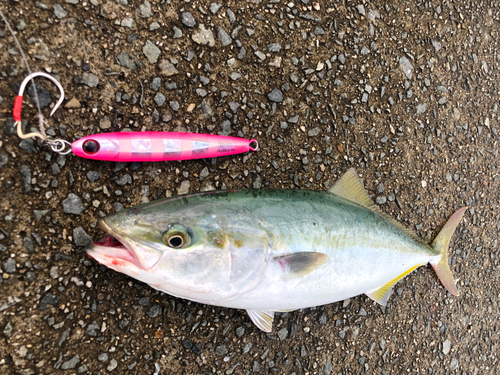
[158, 146]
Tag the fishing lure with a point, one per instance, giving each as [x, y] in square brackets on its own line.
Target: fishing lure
[158, 146]
[136, 146]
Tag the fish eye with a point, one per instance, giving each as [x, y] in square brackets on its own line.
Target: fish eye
[177, 237]
[90, 147]
[175, 241]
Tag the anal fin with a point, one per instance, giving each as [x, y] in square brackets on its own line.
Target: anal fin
[262, 319]
[382, 293]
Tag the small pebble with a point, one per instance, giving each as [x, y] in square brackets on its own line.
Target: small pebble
[73, 204]
[174, 105]
[187, 19]
[125, 179]
[406, 66]
[240, 331]
[93, 176]
[224, 37]
[112, 364]
[28, 244]
[204, 174]
[154, 26]
[155, 84]
[275, 96]
[127, 22]
[214, 8]
[184, 188]
[4, 159]
[221, 350]
[9, 266]
[154, 311]
[89, 79]
[160, 99]
[446, 347]
[151, 51]
[167, 68]
[128, 61]
[28, 145]
[81, 237]
[59, 11]
[39, 214]
[231, 15]
[144, 10]
[49, 299]
[71, 364]
[454, 364]
[203, 36]
[282, 333]
[177, 32]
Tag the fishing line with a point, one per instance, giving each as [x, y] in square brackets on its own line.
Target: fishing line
[40, 116]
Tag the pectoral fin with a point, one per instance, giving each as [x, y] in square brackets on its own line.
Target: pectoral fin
[262, 319]
[300, 264]
[382, 294]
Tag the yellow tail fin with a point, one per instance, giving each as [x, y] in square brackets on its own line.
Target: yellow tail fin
[440, 244]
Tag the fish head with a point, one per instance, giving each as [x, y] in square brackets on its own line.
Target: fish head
[193, 249]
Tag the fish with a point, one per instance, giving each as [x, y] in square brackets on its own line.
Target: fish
[270, 250]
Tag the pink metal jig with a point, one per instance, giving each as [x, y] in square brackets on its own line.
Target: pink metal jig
[159, 146]
[137, 146]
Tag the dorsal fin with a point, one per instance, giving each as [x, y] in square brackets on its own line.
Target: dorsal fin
[350, 187]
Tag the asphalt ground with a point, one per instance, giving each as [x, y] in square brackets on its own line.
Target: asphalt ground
[404, 92]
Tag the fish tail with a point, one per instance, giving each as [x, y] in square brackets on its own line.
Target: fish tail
[440, 245]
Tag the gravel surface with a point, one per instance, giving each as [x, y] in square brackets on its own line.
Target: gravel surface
[405, 92]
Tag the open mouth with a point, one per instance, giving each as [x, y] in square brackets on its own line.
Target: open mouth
[108, 241]
[110, 248]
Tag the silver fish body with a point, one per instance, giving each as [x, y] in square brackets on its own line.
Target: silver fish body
[270, 250]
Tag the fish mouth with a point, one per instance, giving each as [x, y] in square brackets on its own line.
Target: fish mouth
[112, 248]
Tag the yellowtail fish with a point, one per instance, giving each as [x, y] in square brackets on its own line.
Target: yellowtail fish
[270, 250]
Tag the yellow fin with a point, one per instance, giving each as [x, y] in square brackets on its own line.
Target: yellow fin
[350, 187]
[382, 294]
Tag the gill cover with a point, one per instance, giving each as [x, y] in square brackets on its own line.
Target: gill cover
[220, 265]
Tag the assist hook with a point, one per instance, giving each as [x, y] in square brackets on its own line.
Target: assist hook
[18, 103]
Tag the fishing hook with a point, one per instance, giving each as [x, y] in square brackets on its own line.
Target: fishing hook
[18, 103]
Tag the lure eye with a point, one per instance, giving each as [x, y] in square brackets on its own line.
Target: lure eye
[177, 237]
[90, 147]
